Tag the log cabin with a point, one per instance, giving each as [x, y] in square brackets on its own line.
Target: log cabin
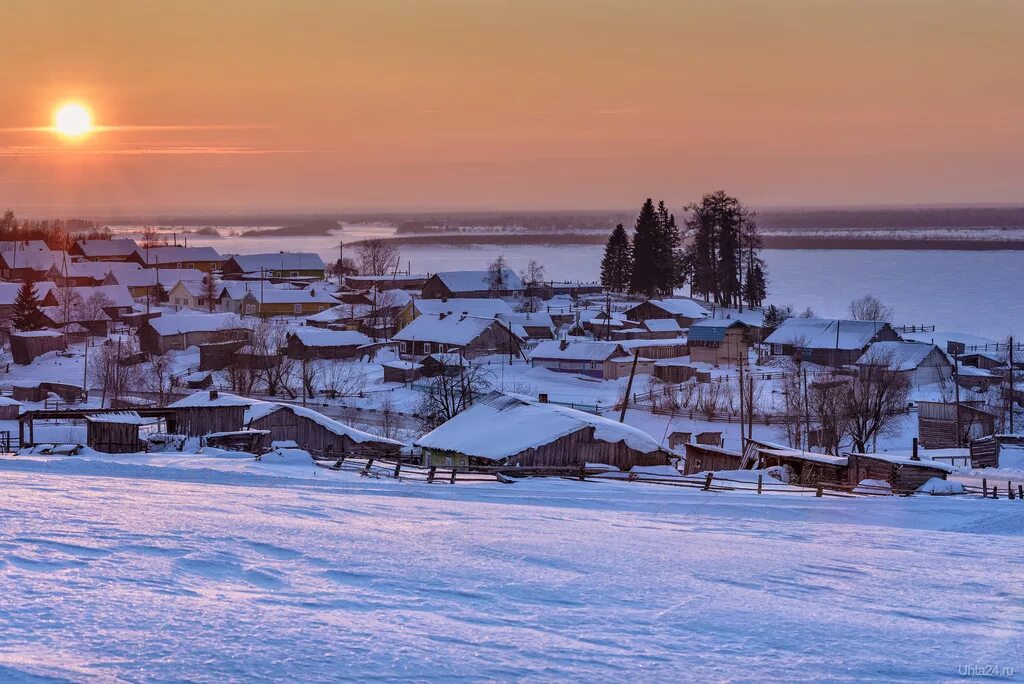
[316, 433]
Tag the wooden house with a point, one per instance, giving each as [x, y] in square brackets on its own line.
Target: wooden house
[154, 283]
[409, 283]
[309, 343]
[477, 307]
[28, 345]
[807, 468]
[31, 264]
[904, 474]
[401, 371]
[985, 452]
[450, 284]
[828, 342]
[183, 330]
[709, 457]
[218, 355]
[207, 412]
[584, 357]
[114, 249]
[205, 259]
[921, 363]
[31, 391]
[287, 301]
[9, 408]
[46, 293]
[114, 433]
[719, 341]
[937, 424]
[506, 429]
[191, 294]
[470, 336]
[685, 312]
[283, 265]
[316, 433]
[438, 363]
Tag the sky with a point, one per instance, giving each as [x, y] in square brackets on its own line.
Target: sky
[311, 105]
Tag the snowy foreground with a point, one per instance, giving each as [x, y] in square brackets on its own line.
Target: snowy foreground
[167, 569]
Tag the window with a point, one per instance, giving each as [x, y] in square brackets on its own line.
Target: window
[402, 347]
[426, 347]
[250, 308]
[294, 274]
[298, 308]
[440, 348]
[190, 265]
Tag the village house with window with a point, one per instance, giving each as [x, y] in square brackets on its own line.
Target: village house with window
[33, 264]
[536, 325]
[187, 329]
[46, 293]
[470, 336]
[469, 284]
[205, 259]
[190, 294]
[309, 344]
[507, 429]
[719, 341]
[284, 265]
[584, 357]
[683, 311]
[398, 281]
[922, 363]
[828, 341]
[286, 301]
[471, 306]
[114, 249]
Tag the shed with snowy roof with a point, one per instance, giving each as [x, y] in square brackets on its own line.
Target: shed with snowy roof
[315, 432]
[719, 341]
[114, 432]
[206, 412]
[309, 343]
[514, 430]
[683, 311]
[186, 329]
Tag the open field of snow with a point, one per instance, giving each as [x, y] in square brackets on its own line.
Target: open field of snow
[162, 571]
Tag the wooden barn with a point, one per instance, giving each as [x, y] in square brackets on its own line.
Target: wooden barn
[30, 391]
[937, 424]
[308, 343]
[401, 371]
[207, 412]
[685, 312]
[449, 284]
[904, 474]
[114, 433]
[985, 452]
[826, 341]
[471, 336]
[28, 345]
[657, 349]
[9, 408]
[218, 355]
[584, 357]
[183, 330]
[702, 457]
[507, 429]
[316, 433]
[807, 468]
[673, 370]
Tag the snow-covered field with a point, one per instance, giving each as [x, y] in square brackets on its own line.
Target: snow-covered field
[167, 571]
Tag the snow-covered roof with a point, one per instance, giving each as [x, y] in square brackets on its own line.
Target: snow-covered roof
[900, 356]
[125, 275]
[23, 246]
[662, 325]
[119, 247]
[712, 329]
[503, 424]
[188, 321]
[576, 350]
[236, 289]
[456, 329]
[9, 291]
[173, 255]
[260, 409]
[37, 333]
[898, 459]
[812, 456]
[320, 337]
[37, 260]
[212, 398]
[122, 417]
[279, 261]
[646, 344]
[117, 295]
[681, 307]
[476, 281]
[316, 295]
[530, 319]
[825, 333]
[487, 308]
[56, 315]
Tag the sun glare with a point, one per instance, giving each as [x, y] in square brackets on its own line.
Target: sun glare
[72, 120]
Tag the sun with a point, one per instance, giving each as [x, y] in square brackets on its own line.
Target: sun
[72, 120]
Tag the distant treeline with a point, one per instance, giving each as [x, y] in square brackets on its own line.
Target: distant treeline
[58, 234]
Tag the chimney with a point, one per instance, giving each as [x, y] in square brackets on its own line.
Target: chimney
[213, 395]
[542, 398]
[563, 345]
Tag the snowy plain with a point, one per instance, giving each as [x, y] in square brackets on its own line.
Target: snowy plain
[207, 569]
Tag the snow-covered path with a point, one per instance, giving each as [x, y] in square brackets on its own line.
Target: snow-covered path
[149, 573]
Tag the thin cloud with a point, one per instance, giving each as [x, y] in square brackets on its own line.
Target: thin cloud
[143, 127]
[24, 151]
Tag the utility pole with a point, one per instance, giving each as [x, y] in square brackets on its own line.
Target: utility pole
[1010, 356]
[956, 387]
[629, 387]
[807, 415]
[739, 368]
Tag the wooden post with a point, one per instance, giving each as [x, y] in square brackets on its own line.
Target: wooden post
[984, 488]
[819, 492]
[430, 473]
[398, 466]
[1020, 492]
[760, 481]
[629, 387]
[366, 468]
[452, 481]
[707, 482]
[583, 471]
[1009, 491]
[995, 492]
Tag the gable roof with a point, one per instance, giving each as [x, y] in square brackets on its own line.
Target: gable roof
[211, 398]
[577, 350]
[487, 308]
[826, 333]
[662, 325]
[317, 295]
[260, 409]
[712, 329]
[147, 277]
[9, 291]
[187, 321]
[34, 259]
[532, 319]
[476, 281]
[173, 255]
[901, 356]
[503, 424]
[456, 330]
[681, 307]
[117, 295]
[320, 337]
[279, 261]
[115, 247]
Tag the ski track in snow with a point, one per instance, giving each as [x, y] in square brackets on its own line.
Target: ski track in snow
[148, 573]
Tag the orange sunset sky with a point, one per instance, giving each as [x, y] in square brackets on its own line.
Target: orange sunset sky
[310, 105]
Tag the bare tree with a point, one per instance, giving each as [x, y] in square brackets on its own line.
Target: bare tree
[276, 368]
[151, 237]
[874, 399]
[92, 308]
[868, 308]
[389, 418]
[69, 302]
[339, 378]
[108, 372]
[451, 393]
[827, 413]
[158, 378]
[532, 277]
[794, 408]
[378, 257]
[497, 276]
[210, 290]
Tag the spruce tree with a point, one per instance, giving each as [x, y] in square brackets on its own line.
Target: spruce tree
[647, 242]
[754, 287]
[724, 249]
[617, 263]
[27, 315]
